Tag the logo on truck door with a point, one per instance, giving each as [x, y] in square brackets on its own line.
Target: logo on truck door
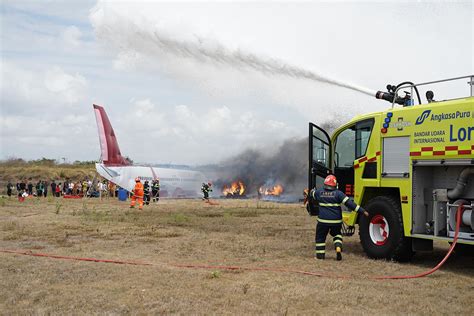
[423, 117]
[442, 116]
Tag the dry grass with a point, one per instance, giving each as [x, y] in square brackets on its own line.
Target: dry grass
[189, 231]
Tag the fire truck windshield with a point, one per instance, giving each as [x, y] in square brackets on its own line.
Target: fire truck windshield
[352, 143]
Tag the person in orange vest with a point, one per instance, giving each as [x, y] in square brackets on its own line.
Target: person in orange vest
[137, 194]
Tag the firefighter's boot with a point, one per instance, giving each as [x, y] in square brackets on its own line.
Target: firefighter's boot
[320, 249]
[320, 256]
[338, 253]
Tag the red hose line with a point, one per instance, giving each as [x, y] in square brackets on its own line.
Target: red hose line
[189, 266]
[278, 270]
[35, 254]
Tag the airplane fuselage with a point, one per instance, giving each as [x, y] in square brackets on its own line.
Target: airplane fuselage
[175, 183]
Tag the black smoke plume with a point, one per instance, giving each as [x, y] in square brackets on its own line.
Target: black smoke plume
[257, 167]
[287, 166]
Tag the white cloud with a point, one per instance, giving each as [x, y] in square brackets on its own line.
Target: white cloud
[42, 114]
[69, 87]
[128, 60]
[52, 87]
[57, 134]
[62, 125]
[71, 36]
[192, 135]
[71, 10]
[144, 108]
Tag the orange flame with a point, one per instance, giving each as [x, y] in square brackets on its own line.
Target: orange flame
[275, 190]
[236, 188]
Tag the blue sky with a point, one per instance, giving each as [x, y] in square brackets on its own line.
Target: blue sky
[171, 106]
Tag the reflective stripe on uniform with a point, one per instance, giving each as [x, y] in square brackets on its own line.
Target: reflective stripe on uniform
[337, 240]
[357, 208]
[329, 204]
[320, 251]
[330, 221]
[320, 244]
[345, 200]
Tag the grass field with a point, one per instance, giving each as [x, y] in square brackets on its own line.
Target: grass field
[243, 233]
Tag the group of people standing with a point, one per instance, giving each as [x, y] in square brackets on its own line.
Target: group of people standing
[70, 187]
[150, 192]
[141, 193]
[43, 188]
[107, 189]
[26, 188]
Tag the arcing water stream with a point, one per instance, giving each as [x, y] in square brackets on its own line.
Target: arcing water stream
[146, 39]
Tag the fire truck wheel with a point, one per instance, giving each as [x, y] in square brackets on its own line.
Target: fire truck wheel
[381, 234]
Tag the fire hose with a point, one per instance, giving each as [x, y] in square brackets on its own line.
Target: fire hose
[459, 212]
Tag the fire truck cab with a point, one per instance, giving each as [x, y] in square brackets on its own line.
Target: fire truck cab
[410, 166]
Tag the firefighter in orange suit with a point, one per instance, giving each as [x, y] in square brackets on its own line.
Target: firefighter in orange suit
[137, 194]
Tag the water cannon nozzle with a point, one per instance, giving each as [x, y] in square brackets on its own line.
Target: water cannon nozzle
[390, 96]
[387, 96]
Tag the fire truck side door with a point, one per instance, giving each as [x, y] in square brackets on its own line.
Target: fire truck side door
[350, 144]
[320, 150]
[344, 154]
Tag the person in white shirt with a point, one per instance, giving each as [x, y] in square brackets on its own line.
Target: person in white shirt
[100, 188]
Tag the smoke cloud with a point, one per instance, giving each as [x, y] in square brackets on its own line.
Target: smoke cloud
[287, 166]
[255, 168]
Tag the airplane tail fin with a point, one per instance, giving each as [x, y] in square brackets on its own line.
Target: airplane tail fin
[110, 152]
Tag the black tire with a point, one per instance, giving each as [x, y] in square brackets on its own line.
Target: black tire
[395, 246]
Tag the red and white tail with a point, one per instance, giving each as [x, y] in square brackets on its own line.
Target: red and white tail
[110, 151]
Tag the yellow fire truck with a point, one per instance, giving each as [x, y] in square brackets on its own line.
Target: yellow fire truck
[410, 166]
